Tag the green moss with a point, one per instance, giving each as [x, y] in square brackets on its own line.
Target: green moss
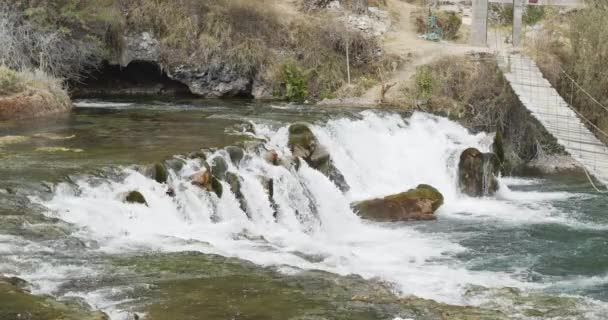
[405, 206]
[295, 82]
[192, 285]
[15, 303]
[426, 191]
[10, 82]
[423, 191]
[300, 135]
[424, 82]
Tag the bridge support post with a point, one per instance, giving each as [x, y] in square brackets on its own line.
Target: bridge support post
[479, 23]
[518, 13]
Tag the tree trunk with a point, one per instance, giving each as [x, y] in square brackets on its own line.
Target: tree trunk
[360, 6]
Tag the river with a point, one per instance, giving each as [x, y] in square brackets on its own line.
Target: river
[536, 250]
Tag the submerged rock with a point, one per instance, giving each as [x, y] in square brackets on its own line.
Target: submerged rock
[304, 144]
[135, 197]
[415, 204]
[17, 303]
[190, 285]
[477, 173]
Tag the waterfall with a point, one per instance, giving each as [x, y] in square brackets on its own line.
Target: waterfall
[308, 222]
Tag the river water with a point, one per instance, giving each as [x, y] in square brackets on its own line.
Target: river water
[62, 214]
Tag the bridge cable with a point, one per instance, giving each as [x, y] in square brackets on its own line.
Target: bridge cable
[587, 174]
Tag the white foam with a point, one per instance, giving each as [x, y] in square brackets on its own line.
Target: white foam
[101, 104]
[378, 154]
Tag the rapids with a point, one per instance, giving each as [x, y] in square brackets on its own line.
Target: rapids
[379, 153]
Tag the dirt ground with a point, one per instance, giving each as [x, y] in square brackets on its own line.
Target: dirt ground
[404, 41]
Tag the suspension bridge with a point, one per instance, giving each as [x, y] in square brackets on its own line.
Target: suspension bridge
[571, 129]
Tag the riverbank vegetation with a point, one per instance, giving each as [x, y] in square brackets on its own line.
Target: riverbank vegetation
[473, 91]
[250, 39]
[33, 64]
[571, 49]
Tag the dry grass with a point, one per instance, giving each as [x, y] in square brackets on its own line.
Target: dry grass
[32, 82]
[253, 39]
[449, 22]
[577, 44]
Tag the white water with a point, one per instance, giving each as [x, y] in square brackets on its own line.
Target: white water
[378, 155]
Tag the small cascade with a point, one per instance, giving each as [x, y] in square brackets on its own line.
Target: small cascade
[488, 172]
[274, 210]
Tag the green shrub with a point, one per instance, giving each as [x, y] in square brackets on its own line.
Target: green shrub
[533, 14]
[10, 82]
[424, 82]
[295, 82]
[449, 22]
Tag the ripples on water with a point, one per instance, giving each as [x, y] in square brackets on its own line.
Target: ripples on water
[541, 236]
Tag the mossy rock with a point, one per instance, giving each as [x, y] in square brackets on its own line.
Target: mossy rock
[302, 141]
[198, 286]
[198, 155]
[236, 154]
[16, 303]
[415, 204]
[217, 187]
[219, 166]
[136, 197]
[477, 173]
[499, 150]
[303, 144]
[425, 191]
[234, 181]
[160, 173]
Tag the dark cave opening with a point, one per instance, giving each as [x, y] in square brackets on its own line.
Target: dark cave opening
[137, 78]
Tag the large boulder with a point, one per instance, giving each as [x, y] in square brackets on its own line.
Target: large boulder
[415, 204]
[477, 173]
[303, 144]
[204, 81]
